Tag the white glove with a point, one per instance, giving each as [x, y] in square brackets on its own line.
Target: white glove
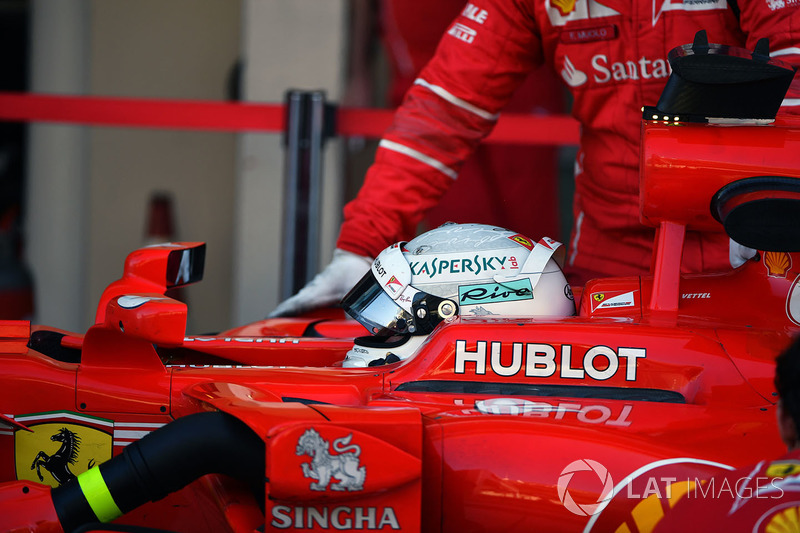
[327, 287]
[739, 254]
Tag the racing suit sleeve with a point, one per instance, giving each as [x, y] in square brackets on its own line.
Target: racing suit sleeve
[484, 56]
[779, 20]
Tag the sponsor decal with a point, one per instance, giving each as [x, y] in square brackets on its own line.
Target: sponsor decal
[441, 267]
[605, 70]
[379, 268]
[341, 517]
[572, 76]
[86, 439]
[475, 13]
[606, 32]
[589, 414]
[783, 468]
[565, 7]
[603, 300]
[774, 5]
[511, 291]
[462, 33]
[643, 68]
[543, 360]
[660, 6]
[523, 240]
[325, 466]
[257, 340]
[696, 295]
[793, 302]
[394, 285]
[584, 465]
[568, 292]
[783, 517]
[562, 11]
[60, 446]
[777, 264]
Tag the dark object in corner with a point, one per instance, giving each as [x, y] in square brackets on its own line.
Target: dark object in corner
[714, 81]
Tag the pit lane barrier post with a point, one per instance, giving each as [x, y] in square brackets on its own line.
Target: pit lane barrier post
[309, 123]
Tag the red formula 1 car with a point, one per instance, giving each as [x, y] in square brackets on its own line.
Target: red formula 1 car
[594, 422]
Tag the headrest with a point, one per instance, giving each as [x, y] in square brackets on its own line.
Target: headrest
[762, 212]
[713, 81]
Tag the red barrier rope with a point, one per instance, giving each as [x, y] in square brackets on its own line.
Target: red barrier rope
[222, 116]
[97, 111]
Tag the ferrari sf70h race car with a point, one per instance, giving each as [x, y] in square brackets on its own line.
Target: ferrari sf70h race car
[592, 422]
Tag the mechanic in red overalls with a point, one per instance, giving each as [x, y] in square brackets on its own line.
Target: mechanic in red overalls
[499, 175]
[612, 54]
[760, 498]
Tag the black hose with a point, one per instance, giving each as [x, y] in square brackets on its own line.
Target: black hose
[163, 462]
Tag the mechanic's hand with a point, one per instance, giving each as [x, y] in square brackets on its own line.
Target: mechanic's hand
[327, 287]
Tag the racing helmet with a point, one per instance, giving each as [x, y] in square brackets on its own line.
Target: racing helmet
[455, 269]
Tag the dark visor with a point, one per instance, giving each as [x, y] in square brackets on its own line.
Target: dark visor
[372, 307]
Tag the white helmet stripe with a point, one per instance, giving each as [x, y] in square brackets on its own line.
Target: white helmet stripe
[534, 265]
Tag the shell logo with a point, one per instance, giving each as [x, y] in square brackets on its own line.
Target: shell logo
[565, 7]
[583, 465]
[781, 519]
[777, 263]
[649, 512]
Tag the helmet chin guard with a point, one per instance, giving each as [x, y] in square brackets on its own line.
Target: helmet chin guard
[375, 351]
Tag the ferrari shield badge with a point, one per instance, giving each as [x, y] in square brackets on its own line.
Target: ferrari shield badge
[60, 446]
[342, 466]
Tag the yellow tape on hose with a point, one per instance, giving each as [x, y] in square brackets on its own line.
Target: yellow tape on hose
[97, 494]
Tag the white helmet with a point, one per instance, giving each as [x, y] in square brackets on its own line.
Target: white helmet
[455, 269]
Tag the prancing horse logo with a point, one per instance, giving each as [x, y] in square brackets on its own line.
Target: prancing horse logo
[58, 463]
[324, 466]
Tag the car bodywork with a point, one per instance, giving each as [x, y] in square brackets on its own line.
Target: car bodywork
[593, 422]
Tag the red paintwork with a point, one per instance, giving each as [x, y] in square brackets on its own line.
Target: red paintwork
[452, 459]
[683, 166]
